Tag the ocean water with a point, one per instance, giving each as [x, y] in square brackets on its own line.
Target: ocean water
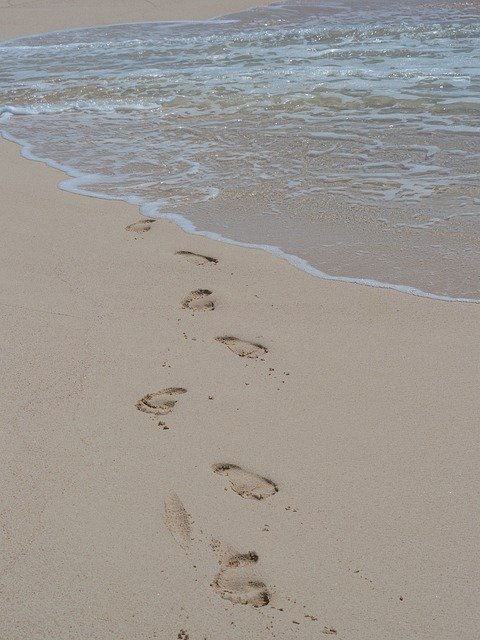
[342, 135]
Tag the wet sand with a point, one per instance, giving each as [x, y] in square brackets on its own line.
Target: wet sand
[201, 441]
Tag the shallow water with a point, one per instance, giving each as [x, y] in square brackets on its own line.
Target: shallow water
[343, 133]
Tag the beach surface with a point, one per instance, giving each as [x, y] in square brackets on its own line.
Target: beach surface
[214, 444]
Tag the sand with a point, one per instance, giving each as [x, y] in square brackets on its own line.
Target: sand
[220, 449]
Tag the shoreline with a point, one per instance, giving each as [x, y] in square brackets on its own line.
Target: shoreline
[185, 224]
[23, 18]
[363, 413]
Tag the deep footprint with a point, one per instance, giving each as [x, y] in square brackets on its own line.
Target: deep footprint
[246, 483]
[141, 226]
[160, 402]
[234, 582]
[199, 300]
[197, 258]
[243, 348]
[177, 520]
[251, 592]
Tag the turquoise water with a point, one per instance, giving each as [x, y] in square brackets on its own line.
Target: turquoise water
[344, 136]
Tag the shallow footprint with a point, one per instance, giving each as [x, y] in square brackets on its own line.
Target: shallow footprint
[242, 348]
[246, 483]
[197, 258]
[235, 583]
[177, 520]
[160, 402]
[199, 300]
[141, 226]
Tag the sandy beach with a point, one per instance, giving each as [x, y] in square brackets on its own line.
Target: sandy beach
[200, 441]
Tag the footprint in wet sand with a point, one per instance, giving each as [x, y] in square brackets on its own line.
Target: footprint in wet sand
[197, 258]
[243, 348]
[235, 581]
[177, 520]
[141, 226]
[160, 402]
[199, 300]
[246, 483]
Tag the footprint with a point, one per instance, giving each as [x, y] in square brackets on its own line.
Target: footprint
[238, 591]
[197, 258]
[199, 300]
[177, 520]
[235, 582]
[243, 348]
[246, 483]
[141, 226]
[161, 402]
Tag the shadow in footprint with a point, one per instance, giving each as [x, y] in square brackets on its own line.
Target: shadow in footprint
[196, 258]
[177, 520]
[235, 582]
[199, 300]
[141, 226]
[246, 483]
[243, 348]
[160, 402]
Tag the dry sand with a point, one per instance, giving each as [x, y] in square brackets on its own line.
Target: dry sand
[334, 475]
